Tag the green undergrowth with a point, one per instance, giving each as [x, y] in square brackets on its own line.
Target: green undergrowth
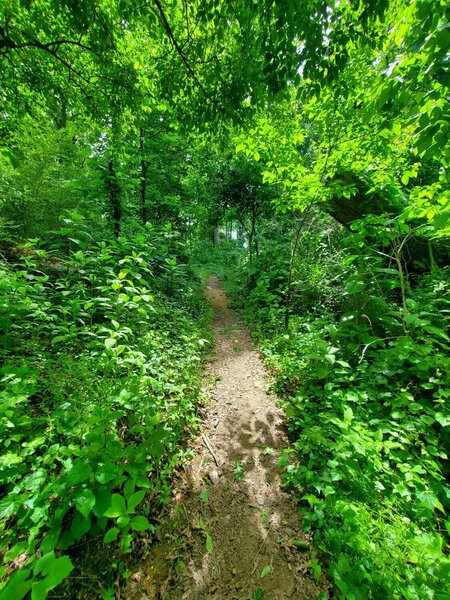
[221, 259]
[364, 384]
[101, 345]
[368, 457]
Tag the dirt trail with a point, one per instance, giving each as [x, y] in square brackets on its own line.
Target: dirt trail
[231, 521]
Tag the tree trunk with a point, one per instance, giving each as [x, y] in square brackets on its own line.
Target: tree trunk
[114, 197]
[252, 243]
[417, 252]
[250, 246]
[143, 187]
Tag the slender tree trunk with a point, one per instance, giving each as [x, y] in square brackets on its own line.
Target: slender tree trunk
[114, 197]
[252, 243]
[143, 187]
[431, 257]
[253, 248]
[287, 308]
[294, 247]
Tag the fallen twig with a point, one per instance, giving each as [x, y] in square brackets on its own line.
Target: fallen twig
[208, 445]
[260, 548]
[186, 515]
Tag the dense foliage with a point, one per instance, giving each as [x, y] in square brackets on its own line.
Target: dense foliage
[93, 407]
[313, 137]
[365, 389]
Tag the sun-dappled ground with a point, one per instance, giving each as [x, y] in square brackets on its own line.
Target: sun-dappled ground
[233, 533]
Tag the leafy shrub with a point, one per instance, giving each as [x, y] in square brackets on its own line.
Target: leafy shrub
[101, 350]
[364, 382]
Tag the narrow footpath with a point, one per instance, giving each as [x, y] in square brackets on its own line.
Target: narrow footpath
[234, 534]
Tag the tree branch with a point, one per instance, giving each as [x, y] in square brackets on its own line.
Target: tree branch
[7, 42]
[178, 48]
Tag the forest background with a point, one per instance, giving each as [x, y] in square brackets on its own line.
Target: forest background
[134, 138]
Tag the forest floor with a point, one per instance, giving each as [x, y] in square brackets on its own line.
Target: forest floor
[232, 533]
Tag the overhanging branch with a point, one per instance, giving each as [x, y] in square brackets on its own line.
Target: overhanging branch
[177, 47]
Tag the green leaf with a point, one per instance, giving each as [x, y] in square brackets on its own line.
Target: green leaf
[39, 590]
[55, 571]
[355, 286]
[7, 507]
[17, 587]
[443, 420]
[155, 445]
[209, 543]
[117, 507]
[311, 499]
[79, 526]
[266, 570]
[135, 499]
[51, 538]
[110, 342]
[343, 363]
[348, 415]
[85, 502]
[106, 473]
[316, 569]
[301, 545]
[79, 472]
[398, 414]
[45, 564]
[9, 157]
[204, 496]
[102, 502]
[437, 331]
[430, 501]
[143, 481]
[111, 535]
[123, 521]
[140, 524]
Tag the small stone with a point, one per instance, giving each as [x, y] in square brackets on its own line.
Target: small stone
[214, 476]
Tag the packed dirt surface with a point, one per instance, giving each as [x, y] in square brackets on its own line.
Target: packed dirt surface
[233, 534]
